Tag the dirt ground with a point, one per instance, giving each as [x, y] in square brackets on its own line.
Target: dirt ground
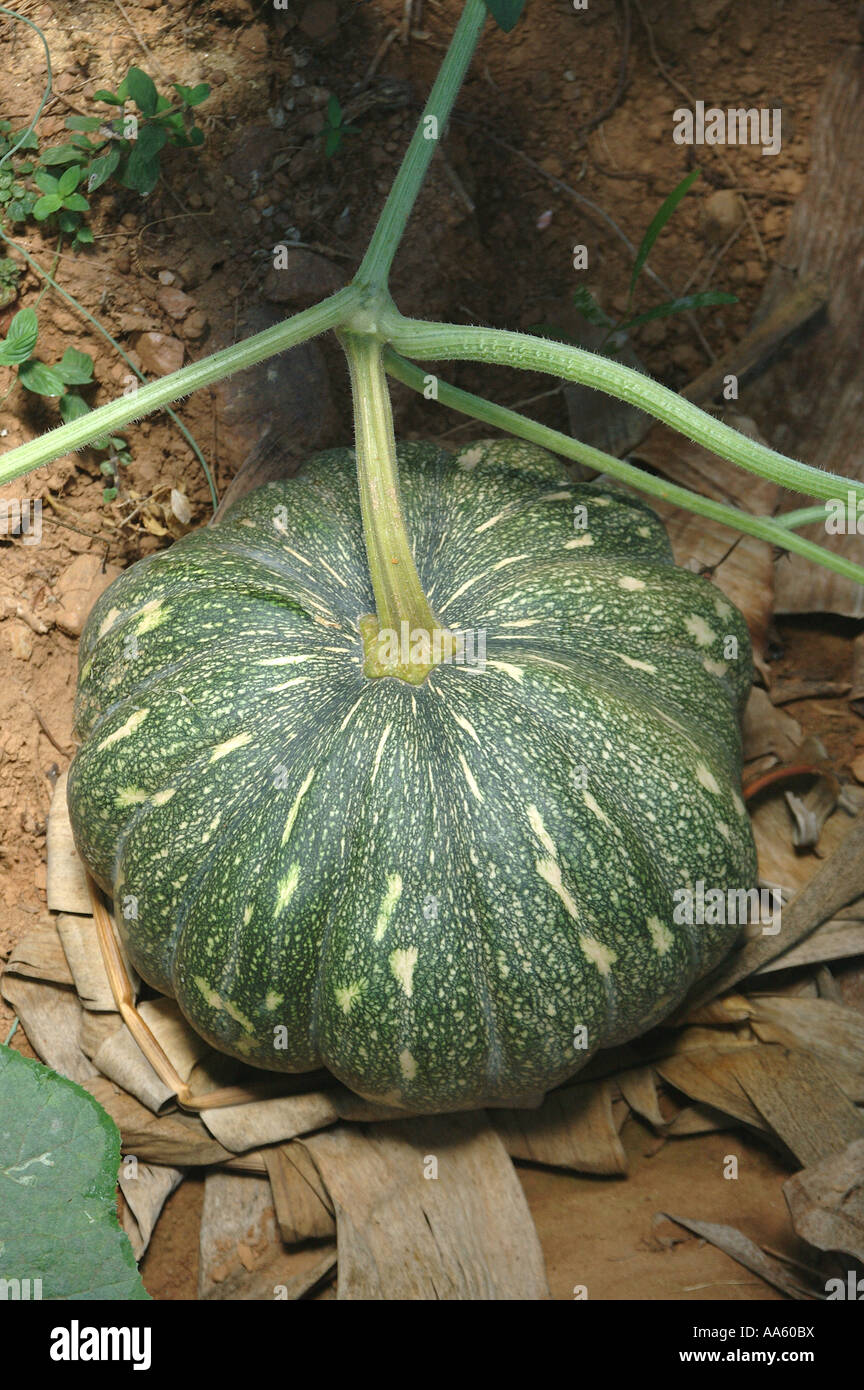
[491, 242]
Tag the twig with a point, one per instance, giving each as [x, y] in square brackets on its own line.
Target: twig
[614, 101]
[66, 752]
[149, 55]
[688, 96]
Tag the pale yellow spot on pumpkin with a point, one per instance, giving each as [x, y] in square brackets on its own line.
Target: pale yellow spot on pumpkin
[580, 542]
[628, 581]
[287, 887]
[407, 1065]
[216, 1001]
[402, 963]
[109, 620]
[468, 727]
[722, 608]
[295, 805]
[515, 673]
[388, 904]
[661, 937]
[152, 615]
[715, 668]
[550, 871]
[601, 956]
[738, 804]
[272, 1001]
[470, 779]
[380, 752]
[162, 797]
[230, 745]
[247, 914]
[129, 796]
[132, 723]
[594, 808]
[521, 622]
[493, 521]
[535, 820]
[699, 629]
[348, 995]
[707, 779]
[637, 665]
[293, 660]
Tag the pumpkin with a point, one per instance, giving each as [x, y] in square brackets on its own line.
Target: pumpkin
[449, 893]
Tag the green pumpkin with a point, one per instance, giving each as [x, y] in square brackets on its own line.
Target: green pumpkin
[452, 893]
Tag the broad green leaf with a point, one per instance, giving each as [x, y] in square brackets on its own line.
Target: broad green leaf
[42, 380]
[142, 89]
[83, 122]
[76, 202]
[61, 154]
[72, 407]
[108, 494]
[69, 180]
[196, 135]
[112, 98]
[193, 96]
[59, 1156]
[75, 368]
[83, 236]
[703, 300]
[102, 168]
[43, 207]
[46, 183]
[29, 141]
[151, 139]
[506, 12]
[658, 222]
[21, 338]
[141, 174]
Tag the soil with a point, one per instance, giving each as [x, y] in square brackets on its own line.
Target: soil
[491, 242]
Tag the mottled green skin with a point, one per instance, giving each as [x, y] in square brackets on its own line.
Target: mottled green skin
[429, 888]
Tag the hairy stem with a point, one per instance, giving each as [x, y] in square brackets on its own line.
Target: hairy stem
[452, 342]
[765, 528]
[375, 267]
[156, 394]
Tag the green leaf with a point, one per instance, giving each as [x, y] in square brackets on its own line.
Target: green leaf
[21, 338]
[76, 202]
[69, 180]
[702, 300]
[195, 136]
[658, 222]
[42, 380]
[108, 494]
[192, 96]
[59, 1156]
[102, 168]
[506, 13]
[75, 368]
[112, 98]
[43, 207]
[334, 110]
[83, 237]
[72, 407]
[29, 142]
[46, 183]
[83, 122]
[60, 154]
[142, 89]
[151, 139]
[332, 141]
[107, 469]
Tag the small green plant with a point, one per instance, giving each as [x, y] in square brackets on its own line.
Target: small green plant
[43, 379]
[618, 331]
[10, 274]
[46, 183]
[336, 127]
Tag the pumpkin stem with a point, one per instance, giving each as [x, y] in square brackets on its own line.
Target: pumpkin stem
[403, 638]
